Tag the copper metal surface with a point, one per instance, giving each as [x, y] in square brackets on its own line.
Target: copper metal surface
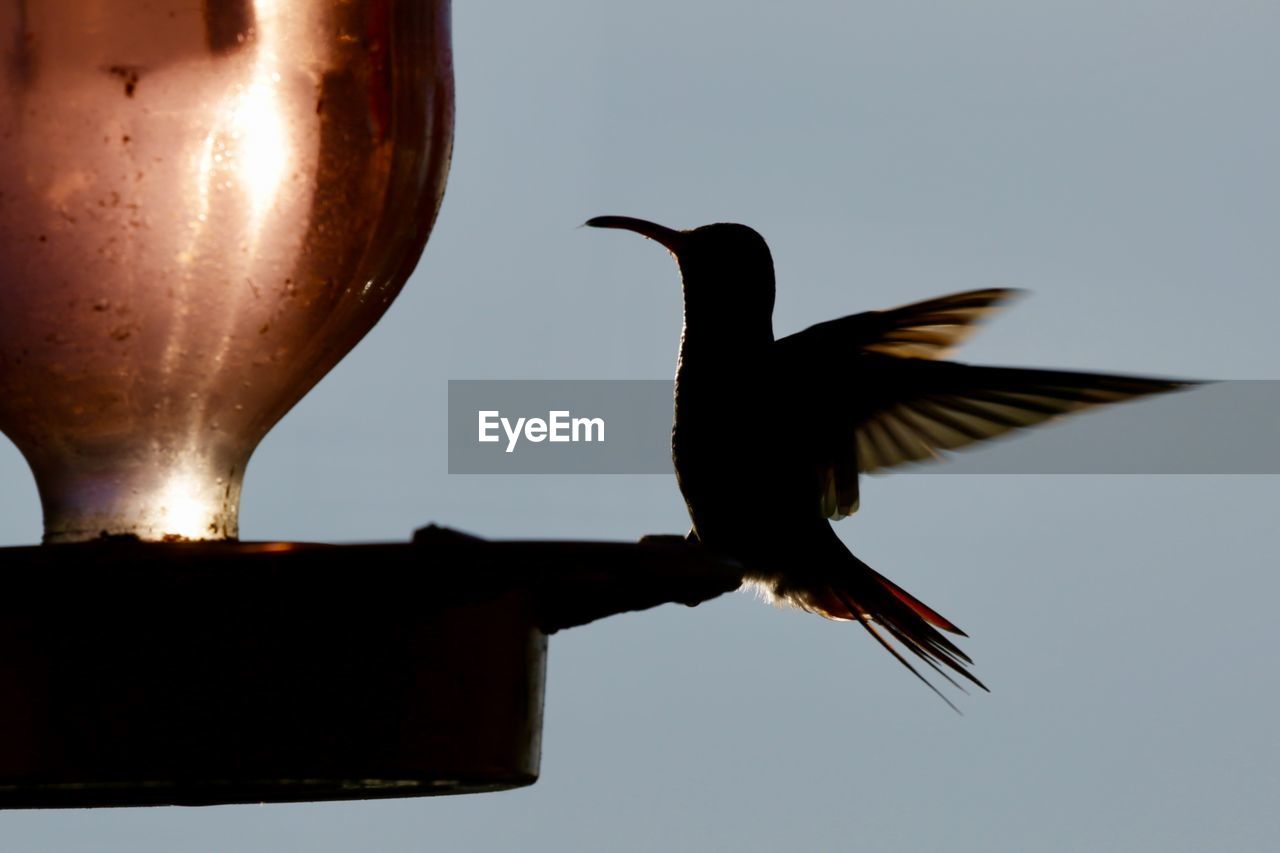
[203, 206]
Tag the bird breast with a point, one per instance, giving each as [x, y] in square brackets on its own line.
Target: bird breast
[719, 431]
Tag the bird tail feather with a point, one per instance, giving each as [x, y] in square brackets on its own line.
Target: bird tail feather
[863, 595]
[921, 609]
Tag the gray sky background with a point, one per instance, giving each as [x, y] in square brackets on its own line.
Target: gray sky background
[1116, 158]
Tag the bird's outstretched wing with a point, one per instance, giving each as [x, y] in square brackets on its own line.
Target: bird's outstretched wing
[881, 410]
[930, 329]
[917, 409]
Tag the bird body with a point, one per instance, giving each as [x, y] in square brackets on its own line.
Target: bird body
[770, 435]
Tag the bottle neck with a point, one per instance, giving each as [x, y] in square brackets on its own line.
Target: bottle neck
[155, 495]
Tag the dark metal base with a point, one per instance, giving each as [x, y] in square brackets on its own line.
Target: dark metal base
[206, 673]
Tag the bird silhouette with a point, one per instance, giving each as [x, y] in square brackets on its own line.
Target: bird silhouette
[770, 435]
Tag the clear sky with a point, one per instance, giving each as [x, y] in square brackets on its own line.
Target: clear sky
[1116, 158]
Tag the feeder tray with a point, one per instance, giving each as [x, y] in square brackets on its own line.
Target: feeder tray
[223, 672]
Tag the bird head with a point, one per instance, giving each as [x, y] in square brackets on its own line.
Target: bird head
[726, 267]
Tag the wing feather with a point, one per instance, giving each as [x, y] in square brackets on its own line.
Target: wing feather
[930, 329]
[896, 403]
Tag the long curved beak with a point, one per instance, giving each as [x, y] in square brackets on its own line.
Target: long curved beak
[668, 237]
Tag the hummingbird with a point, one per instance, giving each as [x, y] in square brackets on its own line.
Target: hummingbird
[770, 435]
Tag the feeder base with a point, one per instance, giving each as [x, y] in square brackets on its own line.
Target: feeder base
[208, 673]
[222, 672]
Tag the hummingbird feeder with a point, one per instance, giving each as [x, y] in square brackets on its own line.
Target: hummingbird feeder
[205, 207]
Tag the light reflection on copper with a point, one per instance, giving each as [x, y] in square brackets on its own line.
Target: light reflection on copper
[182, 510]
[203, 207]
